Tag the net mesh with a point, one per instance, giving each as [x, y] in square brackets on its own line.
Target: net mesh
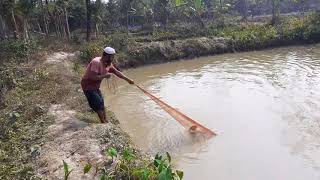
[112, 84]
[184, 120]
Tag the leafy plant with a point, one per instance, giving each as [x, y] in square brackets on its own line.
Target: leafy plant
[163, 165]
[66, 170]
[112, 153]
[87, 168]
[128, 155]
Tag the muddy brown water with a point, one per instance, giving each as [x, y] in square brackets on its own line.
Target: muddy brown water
[264, 106]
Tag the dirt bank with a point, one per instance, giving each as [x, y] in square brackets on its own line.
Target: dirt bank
[45, 119]
[165, 51]
[75, 136]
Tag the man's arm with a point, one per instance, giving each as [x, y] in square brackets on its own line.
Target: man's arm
[122, 76]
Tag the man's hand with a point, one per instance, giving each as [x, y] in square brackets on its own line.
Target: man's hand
[130, 81]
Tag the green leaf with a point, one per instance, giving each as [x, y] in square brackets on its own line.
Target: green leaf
[198, 4]
[178, 2]
[110, 178]
[179, 173]
[128, 154]
[66, 170]
[112, 152]
[87, 168]
[162, 175]
[146, 174]
[160, 167]
[65, 167]
[157, 157]
[165, 174]
[158, 162]
[102, 177]
[169, 173]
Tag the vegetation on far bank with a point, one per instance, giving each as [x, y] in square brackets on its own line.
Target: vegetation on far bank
[177, 43]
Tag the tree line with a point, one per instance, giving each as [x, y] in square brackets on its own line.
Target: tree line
[63, 18]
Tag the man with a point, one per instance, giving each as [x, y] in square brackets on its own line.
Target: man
[98, 69]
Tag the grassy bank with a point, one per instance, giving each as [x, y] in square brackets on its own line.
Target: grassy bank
[27, 89]
[177, 43]
[32, 80]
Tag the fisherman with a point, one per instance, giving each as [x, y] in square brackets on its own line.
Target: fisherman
[98, 69]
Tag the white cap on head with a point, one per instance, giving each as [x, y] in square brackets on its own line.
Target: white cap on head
[109, 50]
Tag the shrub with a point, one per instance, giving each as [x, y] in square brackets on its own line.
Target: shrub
[312, 27]
[90, 50]
[119, 41]
[292, 29]
[251, 37]
[17, 48]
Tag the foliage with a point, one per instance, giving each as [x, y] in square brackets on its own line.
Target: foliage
[23, 118]
[91, 50]
[112, 153]
[251, 37]
[312, 30]
[67, 171]
[26, 91]
[300, 29]
[87, 168]
[17, 48]
[160, 168]
[292, 29]
[119, 41]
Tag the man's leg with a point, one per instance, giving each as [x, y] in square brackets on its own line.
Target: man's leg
[101, 112]
[96, 102]
[102, 116]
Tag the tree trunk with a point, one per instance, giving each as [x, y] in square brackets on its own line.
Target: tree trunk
[16, 35]
[67, 23]
[209, 5]
[97, 30]
[25, 29]
[275, 11]
[62, 27]
[46, 25]
[39, 27]
[56, 25]
[88, 19]
[128, 21]
[3, 33]
[44, 15]
[302, 7]
[244, 9]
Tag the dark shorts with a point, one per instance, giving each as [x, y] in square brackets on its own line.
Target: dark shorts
[95, 99]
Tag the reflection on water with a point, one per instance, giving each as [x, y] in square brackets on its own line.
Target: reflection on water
[264, 106]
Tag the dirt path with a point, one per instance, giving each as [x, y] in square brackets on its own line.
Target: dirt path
[72, 140]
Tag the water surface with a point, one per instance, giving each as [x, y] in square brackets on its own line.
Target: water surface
[264, 106]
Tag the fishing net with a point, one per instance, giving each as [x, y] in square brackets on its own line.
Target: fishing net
[112, 84]
[184, 120]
